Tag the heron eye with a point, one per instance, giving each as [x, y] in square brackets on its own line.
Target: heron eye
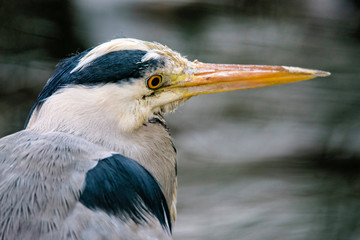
[154, 82]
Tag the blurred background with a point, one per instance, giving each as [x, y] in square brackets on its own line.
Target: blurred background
[281, 162]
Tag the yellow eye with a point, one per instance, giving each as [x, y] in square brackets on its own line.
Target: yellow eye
[154, 82]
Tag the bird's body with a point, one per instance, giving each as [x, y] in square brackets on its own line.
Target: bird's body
[43, 177]
[96, 160]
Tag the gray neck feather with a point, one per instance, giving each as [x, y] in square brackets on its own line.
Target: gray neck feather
[150, 144]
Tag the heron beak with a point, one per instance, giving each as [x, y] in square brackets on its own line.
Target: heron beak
[205, 78]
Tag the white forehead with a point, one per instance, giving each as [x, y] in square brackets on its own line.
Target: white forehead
[155, 50]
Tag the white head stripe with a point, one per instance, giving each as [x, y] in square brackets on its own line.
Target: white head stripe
[118, 45]
[150, 55]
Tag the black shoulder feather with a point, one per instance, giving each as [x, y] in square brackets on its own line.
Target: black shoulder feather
[122, 187]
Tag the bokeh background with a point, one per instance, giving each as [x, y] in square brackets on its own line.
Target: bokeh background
[281, 162]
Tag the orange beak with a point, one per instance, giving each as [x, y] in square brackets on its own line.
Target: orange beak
[205, 78]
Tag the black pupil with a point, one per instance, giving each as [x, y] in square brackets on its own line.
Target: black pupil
[155, 81]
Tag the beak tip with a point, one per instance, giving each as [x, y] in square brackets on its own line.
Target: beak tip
[315, 73]
[323, 74]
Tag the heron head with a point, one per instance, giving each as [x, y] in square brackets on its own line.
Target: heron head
[130, 81]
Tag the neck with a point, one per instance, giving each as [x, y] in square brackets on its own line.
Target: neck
[92, 119]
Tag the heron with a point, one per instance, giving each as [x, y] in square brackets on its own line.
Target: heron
[95, 159]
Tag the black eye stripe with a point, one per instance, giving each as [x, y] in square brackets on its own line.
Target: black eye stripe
[114, 67]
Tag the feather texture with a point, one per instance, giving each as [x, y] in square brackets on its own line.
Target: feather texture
[44, 191]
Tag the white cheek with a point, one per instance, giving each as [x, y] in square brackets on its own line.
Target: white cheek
[81, 107]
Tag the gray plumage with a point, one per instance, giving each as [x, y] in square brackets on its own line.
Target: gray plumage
[42, 176]
[71, 128]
